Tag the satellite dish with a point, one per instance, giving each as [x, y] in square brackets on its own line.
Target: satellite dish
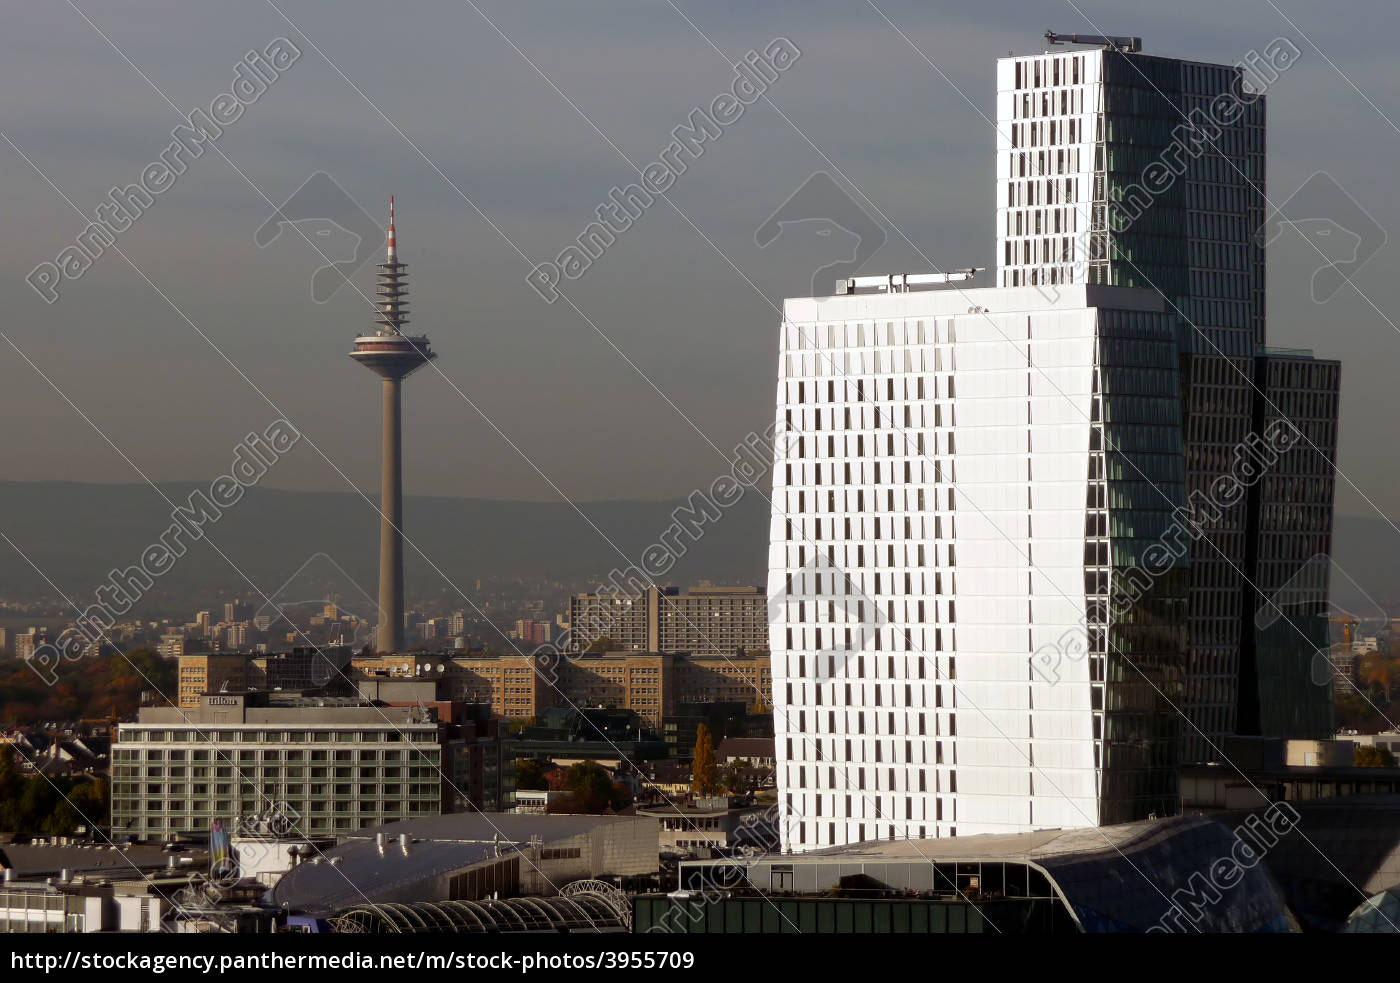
[441, 667]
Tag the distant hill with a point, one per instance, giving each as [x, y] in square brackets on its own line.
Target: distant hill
[76, 533]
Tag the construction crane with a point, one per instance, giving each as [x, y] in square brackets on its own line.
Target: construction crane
[1102, 40]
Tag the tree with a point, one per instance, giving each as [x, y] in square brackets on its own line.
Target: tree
[758, 709]
[704, 773]
[1370, 756]
[603, 644]
[592, 787]
[11, 787]
[530, 775]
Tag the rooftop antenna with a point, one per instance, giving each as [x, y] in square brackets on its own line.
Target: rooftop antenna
[1112, 41]
[393, 253]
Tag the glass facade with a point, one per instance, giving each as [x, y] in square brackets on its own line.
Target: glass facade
[1134, 170]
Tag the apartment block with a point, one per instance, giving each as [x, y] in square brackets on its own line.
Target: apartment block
[664, 619]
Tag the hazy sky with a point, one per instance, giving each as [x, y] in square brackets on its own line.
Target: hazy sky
[692, 311]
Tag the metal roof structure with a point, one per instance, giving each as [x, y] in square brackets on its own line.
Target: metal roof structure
[372, 867]
[584, 912]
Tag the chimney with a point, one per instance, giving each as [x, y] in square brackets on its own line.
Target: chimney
[404, 842]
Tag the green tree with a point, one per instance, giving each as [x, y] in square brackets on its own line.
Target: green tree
[530, 775]
[704, 773]
[1370, 756]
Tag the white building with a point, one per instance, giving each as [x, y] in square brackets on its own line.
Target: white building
[1018, 571]
[940, 514]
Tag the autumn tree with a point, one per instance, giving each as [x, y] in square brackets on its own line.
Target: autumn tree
[592, 788]
[1370, 756]
[704, 773]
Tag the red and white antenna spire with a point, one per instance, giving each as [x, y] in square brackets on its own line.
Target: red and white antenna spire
[393, 255]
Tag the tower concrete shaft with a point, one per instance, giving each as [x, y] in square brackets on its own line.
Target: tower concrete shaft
[390, 633]
[392, 355]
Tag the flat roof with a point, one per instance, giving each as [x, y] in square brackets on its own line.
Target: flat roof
[952, 301]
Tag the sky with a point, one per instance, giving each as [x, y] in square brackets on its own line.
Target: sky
[501, 127]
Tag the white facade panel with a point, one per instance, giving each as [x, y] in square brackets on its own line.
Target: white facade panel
[931, 725]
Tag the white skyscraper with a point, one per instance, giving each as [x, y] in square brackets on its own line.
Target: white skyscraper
[941, 513]
[998, 603]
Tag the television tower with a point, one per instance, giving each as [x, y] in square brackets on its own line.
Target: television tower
[392, 355]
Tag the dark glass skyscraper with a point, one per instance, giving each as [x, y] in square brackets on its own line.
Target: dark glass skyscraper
[1129, 169]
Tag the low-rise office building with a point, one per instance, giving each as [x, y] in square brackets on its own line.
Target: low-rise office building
[336, 765]
[712, 826]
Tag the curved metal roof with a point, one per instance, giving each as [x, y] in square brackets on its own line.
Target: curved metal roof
[582, 912]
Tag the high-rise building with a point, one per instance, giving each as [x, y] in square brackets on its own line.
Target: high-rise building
[1122, 168]
[236, 611]
[703, 619]
[392, 355]
[1015, 563]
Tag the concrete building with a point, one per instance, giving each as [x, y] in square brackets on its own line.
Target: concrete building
[651, 683]
[338, 765]
[210, 673]
[711, 826]
[299, 670]
[447, 860]
[705, 619]
[757, 751]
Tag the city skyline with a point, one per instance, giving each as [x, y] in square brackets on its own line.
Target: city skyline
[1031, 375]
